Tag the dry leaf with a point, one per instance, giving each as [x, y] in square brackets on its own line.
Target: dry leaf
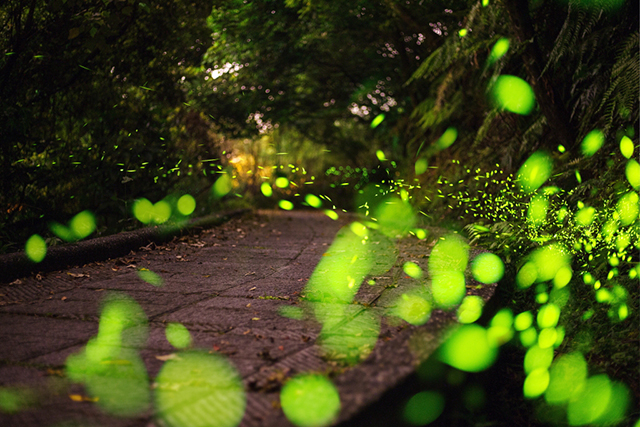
[253, 289]
[255, 318]
[78, 275]
[63, 298]
[248, 305]
[16, 282]
[167, 357]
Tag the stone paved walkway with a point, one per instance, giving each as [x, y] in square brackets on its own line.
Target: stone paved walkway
[227, 286]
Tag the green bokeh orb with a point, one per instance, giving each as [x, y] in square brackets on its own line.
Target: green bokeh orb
[632, 172]
[471, 309]
[487, 268]
[285, 205]
[186, 204]
[178, 335]
[222, 186]
[592, 143]
[423, 408]
[83, 224]
[626, 147]
[310, 400]
[266, 189]
[36, 248]
[413, 309]
[282, 182]
[198, 389]
[313, 201]
[534, 171]
[514, 94]
[448, 288]
[469, 349]
[628, 208]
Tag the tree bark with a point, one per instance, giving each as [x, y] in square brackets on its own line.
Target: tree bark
[550, 103]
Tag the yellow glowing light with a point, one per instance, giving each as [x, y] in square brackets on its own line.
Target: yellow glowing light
[198, 389]
[523, 321]
[412, 269]
[527, 275]
[186, 204]
[178, 335]
[562, 277]
[514, 94]
[567, 377]
[537, 357]
[537, 211]
[448, 138]
[592, 142]
[585, 216]
[498, 51]
[83, 224]
[331, 214]
[471, 309]
[535, 171]
[536, 383]
[626, 147]
[310, 400]
[469, 349]
[36, 248]
[313, 201]
[448, 288]
[628, 208]
[548, 316]
[421, 166]
[282, 182]
[529, 337]
[150, 277]
[222, 186]
[285, 204]
[266, 189]
[487, 268]
[547, 337]
[632, 172]
[413, 309]
[377, 120]
[591, 402]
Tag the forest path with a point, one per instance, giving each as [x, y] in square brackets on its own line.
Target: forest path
[227, 285]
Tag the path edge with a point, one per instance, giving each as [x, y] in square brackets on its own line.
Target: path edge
[17, 265]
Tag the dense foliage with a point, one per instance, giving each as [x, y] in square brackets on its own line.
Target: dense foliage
[105, 102]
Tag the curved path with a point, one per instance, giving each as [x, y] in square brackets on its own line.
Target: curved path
[227, 286]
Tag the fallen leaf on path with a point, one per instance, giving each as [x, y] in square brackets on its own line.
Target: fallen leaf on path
[167, 357]
[253, 289]
[78, 275]
[253, 273]
[81, 398]
[255, 318]
[16, 282]
[63, 298]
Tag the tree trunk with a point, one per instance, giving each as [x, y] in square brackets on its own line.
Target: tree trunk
[550, 103]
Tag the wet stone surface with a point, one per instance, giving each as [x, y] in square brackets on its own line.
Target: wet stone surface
[230, 286]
